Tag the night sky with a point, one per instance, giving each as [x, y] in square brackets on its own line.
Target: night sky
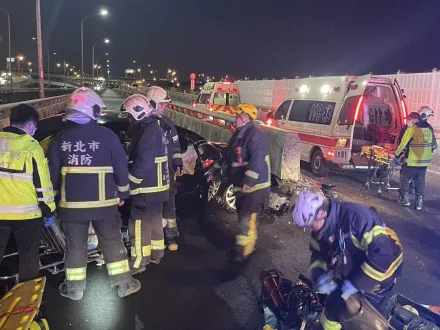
[263, 39]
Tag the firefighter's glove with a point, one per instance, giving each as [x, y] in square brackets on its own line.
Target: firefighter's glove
[348, 290]
[325, 284]
[49, 221]
[396, 161]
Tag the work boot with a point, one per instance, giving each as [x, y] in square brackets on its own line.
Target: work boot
[419, 203]
[73, 295]
[404, 200]
[129, 288]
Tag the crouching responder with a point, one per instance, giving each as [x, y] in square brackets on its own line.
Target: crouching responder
[149, 181]
[248, 169]
[88, 164]
[26, 194]
[352, 250]
[417, 145]
[158, 98]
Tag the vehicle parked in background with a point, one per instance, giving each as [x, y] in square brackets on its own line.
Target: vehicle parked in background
[219, 96]
[336, 116]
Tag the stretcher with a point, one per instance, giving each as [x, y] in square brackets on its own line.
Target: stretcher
[52, 248]
[380, 167]
[20, 307]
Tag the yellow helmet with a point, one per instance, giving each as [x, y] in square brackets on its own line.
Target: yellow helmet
[247, 108]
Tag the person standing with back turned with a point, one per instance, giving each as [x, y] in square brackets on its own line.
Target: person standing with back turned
[26, 191]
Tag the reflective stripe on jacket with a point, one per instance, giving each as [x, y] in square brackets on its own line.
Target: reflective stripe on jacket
[149, 173]
[89, 168]
[372, 251]
[421, 143]
[248, 159]
[26, 190]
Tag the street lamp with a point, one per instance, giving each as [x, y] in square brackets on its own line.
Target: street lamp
[9, 33]
[19, 59]
[29, 65]
[106, 41]
[103, 13]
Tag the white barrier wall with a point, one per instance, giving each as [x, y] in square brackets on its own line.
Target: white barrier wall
[420, 89]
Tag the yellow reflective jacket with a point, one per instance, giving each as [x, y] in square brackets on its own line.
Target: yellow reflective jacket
[421, 142]
[26, 189]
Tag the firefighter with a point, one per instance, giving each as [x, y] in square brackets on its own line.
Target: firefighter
[149, 181]
[417, 145]
[352, 250]
[159, 98]
[247, 167]
[26, 191]
[88, 165]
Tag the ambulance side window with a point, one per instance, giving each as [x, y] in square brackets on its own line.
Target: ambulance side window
[315, 112]
[283, 110]
[204, 98]
[220, 98]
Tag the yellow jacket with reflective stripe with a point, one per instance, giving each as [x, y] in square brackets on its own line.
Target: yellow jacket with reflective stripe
[421, 142]
[26, 189]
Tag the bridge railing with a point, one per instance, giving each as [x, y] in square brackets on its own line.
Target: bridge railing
[46, 107]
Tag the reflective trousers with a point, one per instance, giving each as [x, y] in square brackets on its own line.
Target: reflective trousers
[146, 233]
[27, 237]
[248, 207]
[169, 214]
[109, 241]
[415, 174]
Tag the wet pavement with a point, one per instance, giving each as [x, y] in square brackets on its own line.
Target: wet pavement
[197, 288]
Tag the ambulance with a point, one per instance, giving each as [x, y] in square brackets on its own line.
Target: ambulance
[219, 96]
[336, 116]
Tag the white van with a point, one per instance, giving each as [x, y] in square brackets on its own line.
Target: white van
[335, 116]
[219, 96]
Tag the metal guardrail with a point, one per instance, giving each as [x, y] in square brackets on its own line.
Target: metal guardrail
[46, 107]
[24, 90]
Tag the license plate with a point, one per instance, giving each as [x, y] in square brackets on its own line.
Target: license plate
[343, 154]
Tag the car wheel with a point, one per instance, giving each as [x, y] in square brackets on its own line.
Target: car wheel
[214, 186]
[229, 199]
[317, 164]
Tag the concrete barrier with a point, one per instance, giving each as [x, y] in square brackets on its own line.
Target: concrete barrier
[46, 107]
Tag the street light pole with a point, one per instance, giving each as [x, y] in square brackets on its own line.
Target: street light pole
[9, 32]
[40, 51]
[103, 13]
[93, 65]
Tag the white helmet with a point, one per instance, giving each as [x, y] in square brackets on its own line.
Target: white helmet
[157, 95]
[86, 101]
[138, 106]
[425, 112]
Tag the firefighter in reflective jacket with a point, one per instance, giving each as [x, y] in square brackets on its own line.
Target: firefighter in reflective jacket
[26, 194]
[149, 181]
[418, 144]
[247, 167]
[88, 164]
[352, 250]
[159, 98]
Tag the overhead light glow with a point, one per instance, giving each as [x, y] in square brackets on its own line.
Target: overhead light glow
[325, 89]
[304, 89]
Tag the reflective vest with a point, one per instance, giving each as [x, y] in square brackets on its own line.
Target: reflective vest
[148, 157]
[421, 142]
[25, 187]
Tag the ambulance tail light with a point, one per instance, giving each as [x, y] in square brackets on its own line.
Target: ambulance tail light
[404, 113]
[330, 153]
[208, 163]
[358, 106]
[271, 122]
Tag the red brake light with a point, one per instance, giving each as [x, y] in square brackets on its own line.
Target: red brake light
[358, 106]
[194, 104]
[269, 122]
[207, 163]
[404, 113]
[330, 154]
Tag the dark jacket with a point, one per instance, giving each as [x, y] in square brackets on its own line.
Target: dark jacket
[174, 152]
[88, 166]
[247, 158]
[148, 162]
[356, 244]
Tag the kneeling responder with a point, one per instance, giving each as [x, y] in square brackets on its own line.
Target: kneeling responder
[149, 181]
[418, 144]
[248, 169]
[26, 194]
[352, 250]
[88, 164]
[159, 98]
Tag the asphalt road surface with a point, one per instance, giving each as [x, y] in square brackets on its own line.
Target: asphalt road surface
[197, 288]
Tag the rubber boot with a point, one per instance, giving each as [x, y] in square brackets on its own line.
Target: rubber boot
[172, 245]
[73, 295]
[404, 200]
[129, 288]
[419, 203]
